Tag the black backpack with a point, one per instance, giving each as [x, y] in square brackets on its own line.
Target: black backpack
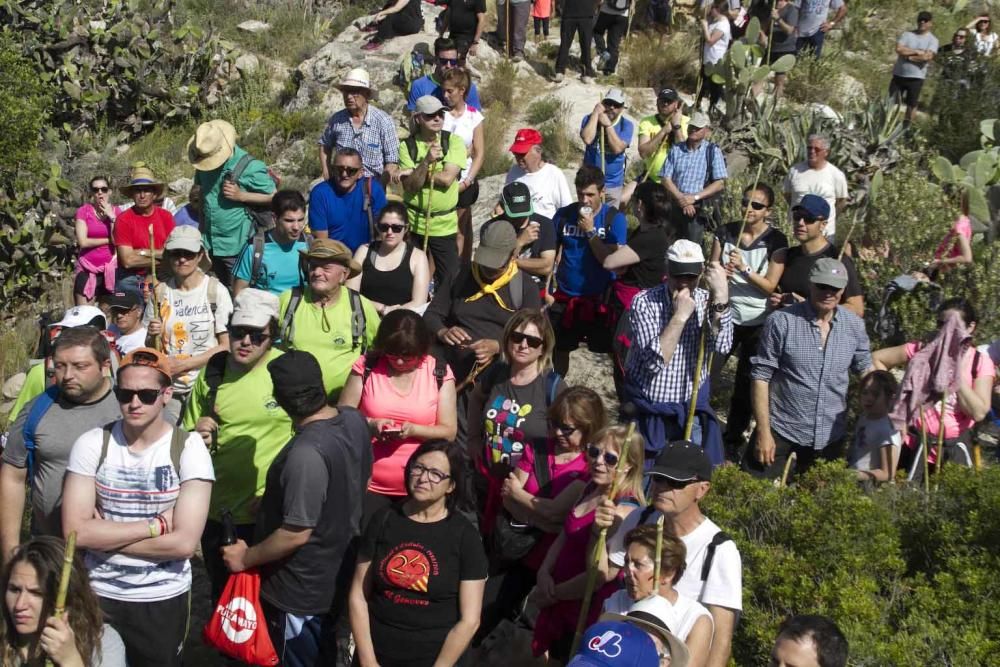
[719, 538]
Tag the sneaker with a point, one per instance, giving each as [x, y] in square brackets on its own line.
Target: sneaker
[558, 77]
[371, 27]
[587, 79]
[603, 59]
[372, 45]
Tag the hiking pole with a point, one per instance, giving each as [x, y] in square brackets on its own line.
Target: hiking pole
[788, 468]
[67, 570]
[939, 463]
[430, 195]
[154, 308]
[507, 31]
[659, 553]
[696, 381]
[923, 445]
[847, 239]
[603, 162]
[581, 624]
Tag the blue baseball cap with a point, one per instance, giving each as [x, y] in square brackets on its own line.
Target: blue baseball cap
[615, 644]
[814, 205]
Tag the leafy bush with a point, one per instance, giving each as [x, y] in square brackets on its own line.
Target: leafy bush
[500, 86]
[24, 104]
[548, 115]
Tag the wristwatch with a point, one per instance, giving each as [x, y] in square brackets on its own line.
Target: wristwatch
[720, 307]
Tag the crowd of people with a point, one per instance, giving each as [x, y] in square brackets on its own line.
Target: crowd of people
[375, 403]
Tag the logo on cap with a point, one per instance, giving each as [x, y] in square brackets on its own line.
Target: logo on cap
[608, 643]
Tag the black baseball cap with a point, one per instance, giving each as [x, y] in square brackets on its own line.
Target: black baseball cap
[516, 200]
[296, 373]
[126, 299]
[667, 95]
[682, 461]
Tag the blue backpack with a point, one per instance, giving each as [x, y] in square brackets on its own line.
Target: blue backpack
[38, 409]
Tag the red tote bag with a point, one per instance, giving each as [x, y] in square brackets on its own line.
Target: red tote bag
[237, 627]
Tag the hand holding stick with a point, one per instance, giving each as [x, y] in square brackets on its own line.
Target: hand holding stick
[154, 307]
[67, 571]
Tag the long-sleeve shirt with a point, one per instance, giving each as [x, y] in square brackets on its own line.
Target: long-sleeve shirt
[662, 381]
[807, 380]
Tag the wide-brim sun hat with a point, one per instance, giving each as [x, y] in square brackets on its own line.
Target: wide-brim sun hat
[142, 176]
[213, 143]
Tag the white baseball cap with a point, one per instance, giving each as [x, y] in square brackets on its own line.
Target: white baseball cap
[685, 258]
[79, 316]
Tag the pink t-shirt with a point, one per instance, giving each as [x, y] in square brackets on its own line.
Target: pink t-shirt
[956, 422]
[541, 9]
[949, 245]
[97, 229]
[380, 399]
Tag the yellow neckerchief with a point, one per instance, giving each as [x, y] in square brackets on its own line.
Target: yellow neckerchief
[493, 287]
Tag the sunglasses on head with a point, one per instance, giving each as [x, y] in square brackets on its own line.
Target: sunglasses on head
[256, 335]
[99, 188]
[350, 171]
[755, 205]
[596, 453]
[396, 229]
[146, 396]
[436, 114]
[516, 337]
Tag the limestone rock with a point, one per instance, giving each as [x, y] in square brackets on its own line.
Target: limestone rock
[247, 63]
[12, 387]
[182, 186]
[254, 26]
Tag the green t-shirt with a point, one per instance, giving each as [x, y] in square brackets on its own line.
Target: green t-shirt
[443, 200]
[650, 126]
[252, 431]
[225, 224]
[329, 338]
[34, 385]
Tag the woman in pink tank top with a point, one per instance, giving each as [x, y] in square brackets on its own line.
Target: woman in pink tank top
[95, 266]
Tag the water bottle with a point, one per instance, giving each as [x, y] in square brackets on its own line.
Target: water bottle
[228, 528]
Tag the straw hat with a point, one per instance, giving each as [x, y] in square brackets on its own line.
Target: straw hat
[142, 176]
[212, 144]
[331, 249]
[356, 78]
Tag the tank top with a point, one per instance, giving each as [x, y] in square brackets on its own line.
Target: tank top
[390, 288]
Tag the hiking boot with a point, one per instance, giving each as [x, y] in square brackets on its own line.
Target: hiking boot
[603, 59]
[518, 57]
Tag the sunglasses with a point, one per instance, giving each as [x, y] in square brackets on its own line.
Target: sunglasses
[256, 335]
[182, 254]
[612, 105]
[146, 396]
[755, 205]
[396, 229]
[826, 288]
[564, 429]
[450, 62]
[534, 342]
[596, 453]
[350, 171]
[118, 311]
[353, 91]
[672, 483]
[799, 214]
[431, 116]
[95, 190]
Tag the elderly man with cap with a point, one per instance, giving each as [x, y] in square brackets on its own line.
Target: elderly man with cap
[126, 309]
[430, 162]
[547, 182]
[131, 233]
[654, 615]
[309, 515]
[363, 127]
[136, 494]
[667, 327]
[192, 311]
[680, 478]
[536, 237]
[232, 408]
[801, 374]
[327, 318]
[660, 131]
[606, 132]
[234, 188]
[694, 174]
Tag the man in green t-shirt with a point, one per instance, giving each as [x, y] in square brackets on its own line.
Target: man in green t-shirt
[240, 422]
[326, 318]
[657, 133]
[431, 153]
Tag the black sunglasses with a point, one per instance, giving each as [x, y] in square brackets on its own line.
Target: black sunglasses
[755, 205]
[256, 335]
[396, 229]
[612, 105]
[565, 429]
[516, 337]
[596, 453]
[826, 288]
[146, 396]
[95, 190]
[350, 171]
[183, 254]
[436, 114]
[453, 62]
[799, 214]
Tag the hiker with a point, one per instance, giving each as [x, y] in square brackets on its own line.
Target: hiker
[30, 582]
[394, 272]
[876, 444]
[464, 22]
[236, 190]
[680, 478]
[752, 277]
[800, 376]
[955, 249]
[576, 19]
[536, 237]
[397, 18]
[969, 397]
[607, 133]
[586, 232]
[809, 641]
[915, 50]
[984, 40]
[716, 36]
[446, 59]
[694, 174]
[232, 408]
[792, 266]
[955, 59]
[344, 206]
[612, 22]
[815, 22]
[667, 323]
[511, 36]
[559, 591]
[270, 260]
[630, 643]
[42, 435]
[660, 131]
[780, 30]
[192, 311]
[541, 16]
[363, 127]
[426, 611]
[407, 396]
[324, 316]
[638, 263]
[816, 176]
[94, 273]
[125, 311]
[136, 494]
[308, 517]
[131, 231]
[190, 213]
[430, 162]
[467, 122]
[546, 181]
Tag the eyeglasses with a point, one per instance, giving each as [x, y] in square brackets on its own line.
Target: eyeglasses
[146, 396]
[826, 288]
[396, 229]
[815, 149]
[182, 254]
[755, 205]
[256, 335]
[449, 62]
[118, 311]
[534, 342]
[564, 429]
[95, 190]
[597, 454]
[672, 484]
[432, 116]
[349, 171]
[143, 190]
[433, 474]
[353, 91]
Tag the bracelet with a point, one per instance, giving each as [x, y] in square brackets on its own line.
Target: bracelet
[163, 524]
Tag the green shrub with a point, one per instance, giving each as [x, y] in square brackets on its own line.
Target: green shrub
[24, 104]
[499, 86]
[811, 80]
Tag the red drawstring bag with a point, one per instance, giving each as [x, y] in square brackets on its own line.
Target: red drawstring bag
[237, 627]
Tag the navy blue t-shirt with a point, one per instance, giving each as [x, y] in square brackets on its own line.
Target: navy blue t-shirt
[342, 216]
[579, 272]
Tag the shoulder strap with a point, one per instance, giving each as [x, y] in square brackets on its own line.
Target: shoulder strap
[370, 362]
[287, 329]
[241, 166]
[105, 442]
[551, 385]
[711, 163]
[214, 371]
[41, 405]
[517, 290]
[647, 512]
[357, 321]
[411, 147]
[257, 261]
[213, 296]
[440, 369]
[717, 539]
[366, 192]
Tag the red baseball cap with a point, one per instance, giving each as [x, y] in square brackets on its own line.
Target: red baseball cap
[525, 139]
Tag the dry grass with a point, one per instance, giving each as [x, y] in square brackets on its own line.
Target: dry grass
[549, 115]
[653, 60]
[496, 158]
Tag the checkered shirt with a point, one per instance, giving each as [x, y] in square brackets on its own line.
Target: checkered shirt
[688, 168]
[376, 140]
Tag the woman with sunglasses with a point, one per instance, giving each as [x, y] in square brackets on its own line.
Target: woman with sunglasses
[96, 264]
[752, 277]
[466, 122]
[418, 585]
[985, 39]
[394, 273]
[562, 577]
[408, 397]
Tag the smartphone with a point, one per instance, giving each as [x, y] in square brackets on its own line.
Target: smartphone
[390, 433]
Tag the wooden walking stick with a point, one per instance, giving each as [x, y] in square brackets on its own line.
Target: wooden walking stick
[939, 462]
[67, 570]
[154, 307]
[923, 445]
[788, 469]
[696, 381]
[659, 553]
[430, 195]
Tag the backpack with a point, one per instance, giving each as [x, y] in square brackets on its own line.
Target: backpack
[619, 5]
[411, 67]
[213, 373]
[286, 331]
[366, 193]
[411, 144]
[257, 249]
[710, 209]
[261, 216]
[440, 370]
[719, 538]
[178, 438]
[41, 405]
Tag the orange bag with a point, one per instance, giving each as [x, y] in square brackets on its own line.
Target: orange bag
[237, 627]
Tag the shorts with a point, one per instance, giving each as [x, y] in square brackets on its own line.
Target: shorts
[597, 333]
[80, 284]
[906, 89]
[154, 632]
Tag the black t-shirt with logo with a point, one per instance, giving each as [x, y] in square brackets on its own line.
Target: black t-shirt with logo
[463, 15]
[416, 569]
